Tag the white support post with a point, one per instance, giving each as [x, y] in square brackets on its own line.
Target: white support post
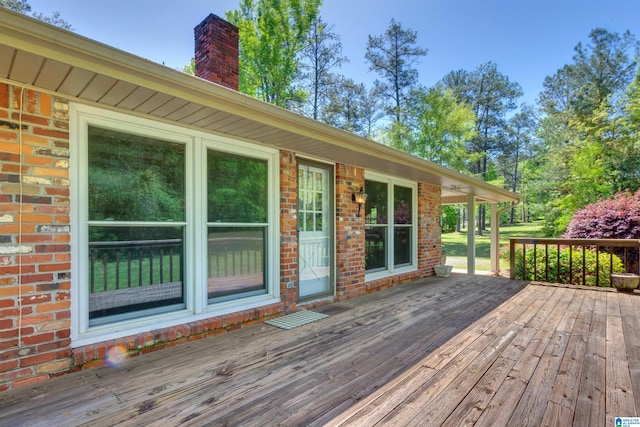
[471, 235]
[495, 239]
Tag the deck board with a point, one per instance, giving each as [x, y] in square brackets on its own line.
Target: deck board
[463, 350]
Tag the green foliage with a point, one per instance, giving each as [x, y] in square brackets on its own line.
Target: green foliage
[436, 128]
[490, 95]
[237, 189]
[23, 7]
[567, 268]
[134, 178]
[449, 218]
[319, 58]
[272, 34]
[520, 145]
[345, 106]
[393, 55]
[589, 132]
[190, 68]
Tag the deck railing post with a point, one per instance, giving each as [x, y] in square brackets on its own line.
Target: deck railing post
[512, 259]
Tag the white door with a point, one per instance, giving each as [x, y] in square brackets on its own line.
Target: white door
[315, 224]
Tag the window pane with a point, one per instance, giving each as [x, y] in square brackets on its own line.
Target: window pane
[308, 222]
[236, 188]
[402, 246]
[133, 269]
[375, 253]
[319, 223]
[402, 205]
[135, 178]
[236, 261]
[376, 205]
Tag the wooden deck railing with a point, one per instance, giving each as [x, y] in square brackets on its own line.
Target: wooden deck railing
[572, 261]
[134, 263]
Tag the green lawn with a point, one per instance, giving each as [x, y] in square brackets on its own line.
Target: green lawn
[455, 244]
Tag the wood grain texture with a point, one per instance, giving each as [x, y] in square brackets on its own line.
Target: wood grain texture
[462, 350]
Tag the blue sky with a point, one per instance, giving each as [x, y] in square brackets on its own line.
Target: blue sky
[527, 39]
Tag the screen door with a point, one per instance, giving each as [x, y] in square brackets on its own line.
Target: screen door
[315, 225]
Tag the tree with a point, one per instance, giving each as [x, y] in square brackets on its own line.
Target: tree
[190, 68]
[393, 56]
[590, 140]
[603, 68]
[436, 127]
[272, 34]
[518, 147]
[319, 58]
[345, 106]
[23, 7]
[491, 95]
[372, 112]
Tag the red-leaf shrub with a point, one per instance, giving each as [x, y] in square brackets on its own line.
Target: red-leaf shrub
[614, 218]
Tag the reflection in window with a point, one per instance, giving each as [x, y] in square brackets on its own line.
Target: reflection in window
[134, 269]
[131, 271]
[236, 188]
[388, 244]
[376, 226]
[237, 194]
[134, 178]
[236, 261]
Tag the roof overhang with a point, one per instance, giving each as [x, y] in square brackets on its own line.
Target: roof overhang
[52, 60]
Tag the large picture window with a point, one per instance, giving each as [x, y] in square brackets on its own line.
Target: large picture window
[390, 239]
[168, 225]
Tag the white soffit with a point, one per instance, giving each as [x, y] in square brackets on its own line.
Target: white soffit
[57, 61]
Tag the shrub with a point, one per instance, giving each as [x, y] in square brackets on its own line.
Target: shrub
[614, 218]
[564, 274]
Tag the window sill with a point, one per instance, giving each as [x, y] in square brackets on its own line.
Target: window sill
[370, 277]
[129, 328]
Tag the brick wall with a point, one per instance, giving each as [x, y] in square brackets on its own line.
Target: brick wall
[349, 233]
[35, 253]
[217, 51]
[34, 236]
[288, 230]
[429, 231]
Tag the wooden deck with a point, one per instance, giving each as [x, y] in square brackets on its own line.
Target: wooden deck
[441, 351]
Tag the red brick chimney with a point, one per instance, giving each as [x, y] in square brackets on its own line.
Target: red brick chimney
[217, 52]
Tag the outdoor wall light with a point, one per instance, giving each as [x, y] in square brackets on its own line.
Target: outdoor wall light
[360, 198]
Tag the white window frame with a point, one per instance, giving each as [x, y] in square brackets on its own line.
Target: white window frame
[391, 182]
[195, 245]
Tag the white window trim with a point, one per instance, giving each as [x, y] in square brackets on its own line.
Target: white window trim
[392, 270]
[195, 278]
